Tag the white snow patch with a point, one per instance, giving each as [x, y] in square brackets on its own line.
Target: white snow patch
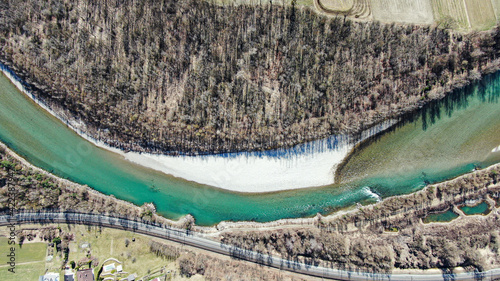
[240, 172]
[249, 173]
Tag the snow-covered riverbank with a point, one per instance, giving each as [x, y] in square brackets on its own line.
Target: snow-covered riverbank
[306, 165]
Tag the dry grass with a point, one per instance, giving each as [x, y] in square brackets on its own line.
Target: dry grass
[458, 14]
[466, 14]
[496, 8]
[338, 5]
[30, 260]
[29, 271]
[451, 11]
[28, 252]
[481, 14]
[405, 11]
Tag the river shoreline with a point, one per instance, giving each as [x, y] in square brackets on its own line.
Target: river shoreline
[307, 165]
[223, 226]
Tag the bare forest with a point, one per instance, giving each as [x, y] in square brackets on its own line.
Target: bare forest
[197, 77]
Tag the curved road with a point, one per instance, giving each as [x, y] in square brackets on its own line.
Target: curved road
[198, 241]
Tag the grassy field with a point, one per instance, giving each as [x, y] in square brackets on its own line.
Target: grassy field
[110, 243]
[30, 261]
[481, 14]
[338, 5]
[496, 8]
[451, 11]
[406, 11]
[104, 243]
[30, 271]
[26, 253]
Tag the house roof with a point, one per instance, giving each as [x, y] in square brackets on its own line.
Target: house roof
[85, 275]
[69, 277]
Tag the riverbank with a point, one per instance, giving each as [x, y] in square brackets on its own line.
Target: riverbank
[394, 206]
[234, 99]
[375, 223]
[306, 165]
[390, 236]
[394, 202]
[312, 164]
[48, 143]
[73, 196]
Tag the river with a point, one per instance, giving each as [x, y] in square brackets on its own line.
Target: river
[446, 139]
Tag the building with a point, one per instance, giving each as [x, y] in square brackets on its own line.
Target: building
[69, 277]
[85, 275]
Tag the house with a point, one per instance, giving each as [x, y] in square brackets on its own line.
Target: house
[85, 275]
[69, 276]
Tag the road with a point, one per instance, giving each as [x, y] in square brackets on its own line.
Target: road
[197, 240]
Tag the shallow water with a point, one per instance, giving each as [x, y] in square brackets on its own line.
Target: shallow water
[400, 162]
[441, 217]
[449, 138]
[479, 209]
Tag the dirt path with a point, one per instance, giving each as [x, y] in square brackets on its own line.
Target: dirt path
[21, 263]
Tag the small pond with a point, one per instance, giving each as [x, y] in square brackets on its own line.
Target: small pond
[479, 209]
[446, 216]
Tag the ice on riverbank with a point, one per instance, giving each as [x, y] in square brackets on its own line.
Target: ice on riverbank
[306, 165]
[250, 173]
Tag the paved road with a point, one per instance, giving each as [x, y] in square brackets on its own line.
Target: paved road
[197, 240]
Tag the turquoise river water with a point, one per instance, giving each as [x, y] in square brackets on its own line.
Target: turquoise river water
[446, 139]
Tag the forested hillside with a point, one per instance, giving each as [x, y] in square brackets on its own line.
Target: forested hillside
[191, 76]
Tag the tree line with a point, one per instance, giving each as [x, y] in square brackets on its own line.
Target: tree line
[197, 77]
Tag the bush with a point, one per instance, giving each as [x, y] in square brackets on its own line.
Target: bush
[7, 165]
[186, 264]
[56, 240]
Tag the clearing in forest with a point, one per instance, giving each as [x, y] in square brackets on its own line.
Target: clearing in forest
[405, 11]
